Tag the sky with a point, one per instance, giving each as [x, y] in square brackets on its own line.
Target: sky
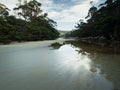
[65, 12]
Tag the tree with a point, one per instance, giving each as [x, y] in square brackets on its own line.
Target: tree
[91, 11]
[29, 10]
[4, 10]
[102, 22]
[34, 26]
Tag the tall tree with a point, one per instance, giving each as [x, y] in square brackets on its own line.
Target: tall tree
[107, 2]
[102, 22]
[4, 10]
[29, 10]
[91, 11]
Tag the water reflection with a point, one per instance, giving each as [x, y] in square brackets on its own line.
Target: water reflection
[103, 61]
[105, 58]
[72, 59]
[94, 48]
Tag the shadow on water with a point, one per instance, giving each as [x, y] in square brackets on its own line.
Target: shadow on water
[105, 60]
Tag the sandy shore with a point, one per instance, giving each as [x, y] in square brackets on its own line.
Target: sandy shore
[45, 42]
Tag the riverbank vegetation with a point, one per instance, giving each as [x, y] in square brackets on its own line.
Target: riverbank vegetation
[102, 22]
[29, 23]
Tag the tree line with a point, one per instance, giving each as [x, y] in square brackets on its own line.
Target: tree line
[103, 21]
[29, 23]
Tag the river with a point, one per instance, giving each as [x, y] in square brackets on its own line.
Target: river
[71, 66]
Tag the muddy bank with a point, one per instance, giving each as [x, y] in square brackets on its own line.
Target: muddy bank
[99, 41]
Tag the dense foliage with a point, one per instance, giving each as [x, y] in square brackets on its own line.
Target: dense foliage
[102, 22]
[31, 25]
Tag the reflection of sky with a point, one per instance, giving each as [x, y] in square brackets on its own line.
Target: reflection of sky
[73, 60]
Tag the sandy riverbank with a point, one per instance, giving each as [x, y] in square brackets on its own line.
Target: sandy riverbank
[36, 42]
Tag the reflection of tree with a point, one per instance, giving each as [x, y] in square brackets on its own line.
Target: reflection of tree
[109, 66]
[106, 58]
[93, 48]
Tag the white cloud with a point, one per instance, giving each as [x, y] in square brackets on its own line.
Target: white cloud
[70, 14]
[67, 14]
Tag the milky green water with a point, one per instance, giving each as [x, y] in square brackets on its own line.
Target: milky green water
[36, 66]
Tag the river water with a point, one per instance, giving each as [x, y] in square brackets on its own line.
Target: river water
[71, 66]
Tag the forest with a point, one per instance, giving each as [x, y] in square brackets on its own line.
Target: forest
[28, 24]
[102, 21]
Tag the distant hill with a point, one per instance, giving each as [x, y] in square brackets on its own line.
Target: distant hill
[62, 33]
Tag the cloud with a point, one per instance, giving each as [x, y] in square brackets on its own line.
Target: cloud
[65, 13]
